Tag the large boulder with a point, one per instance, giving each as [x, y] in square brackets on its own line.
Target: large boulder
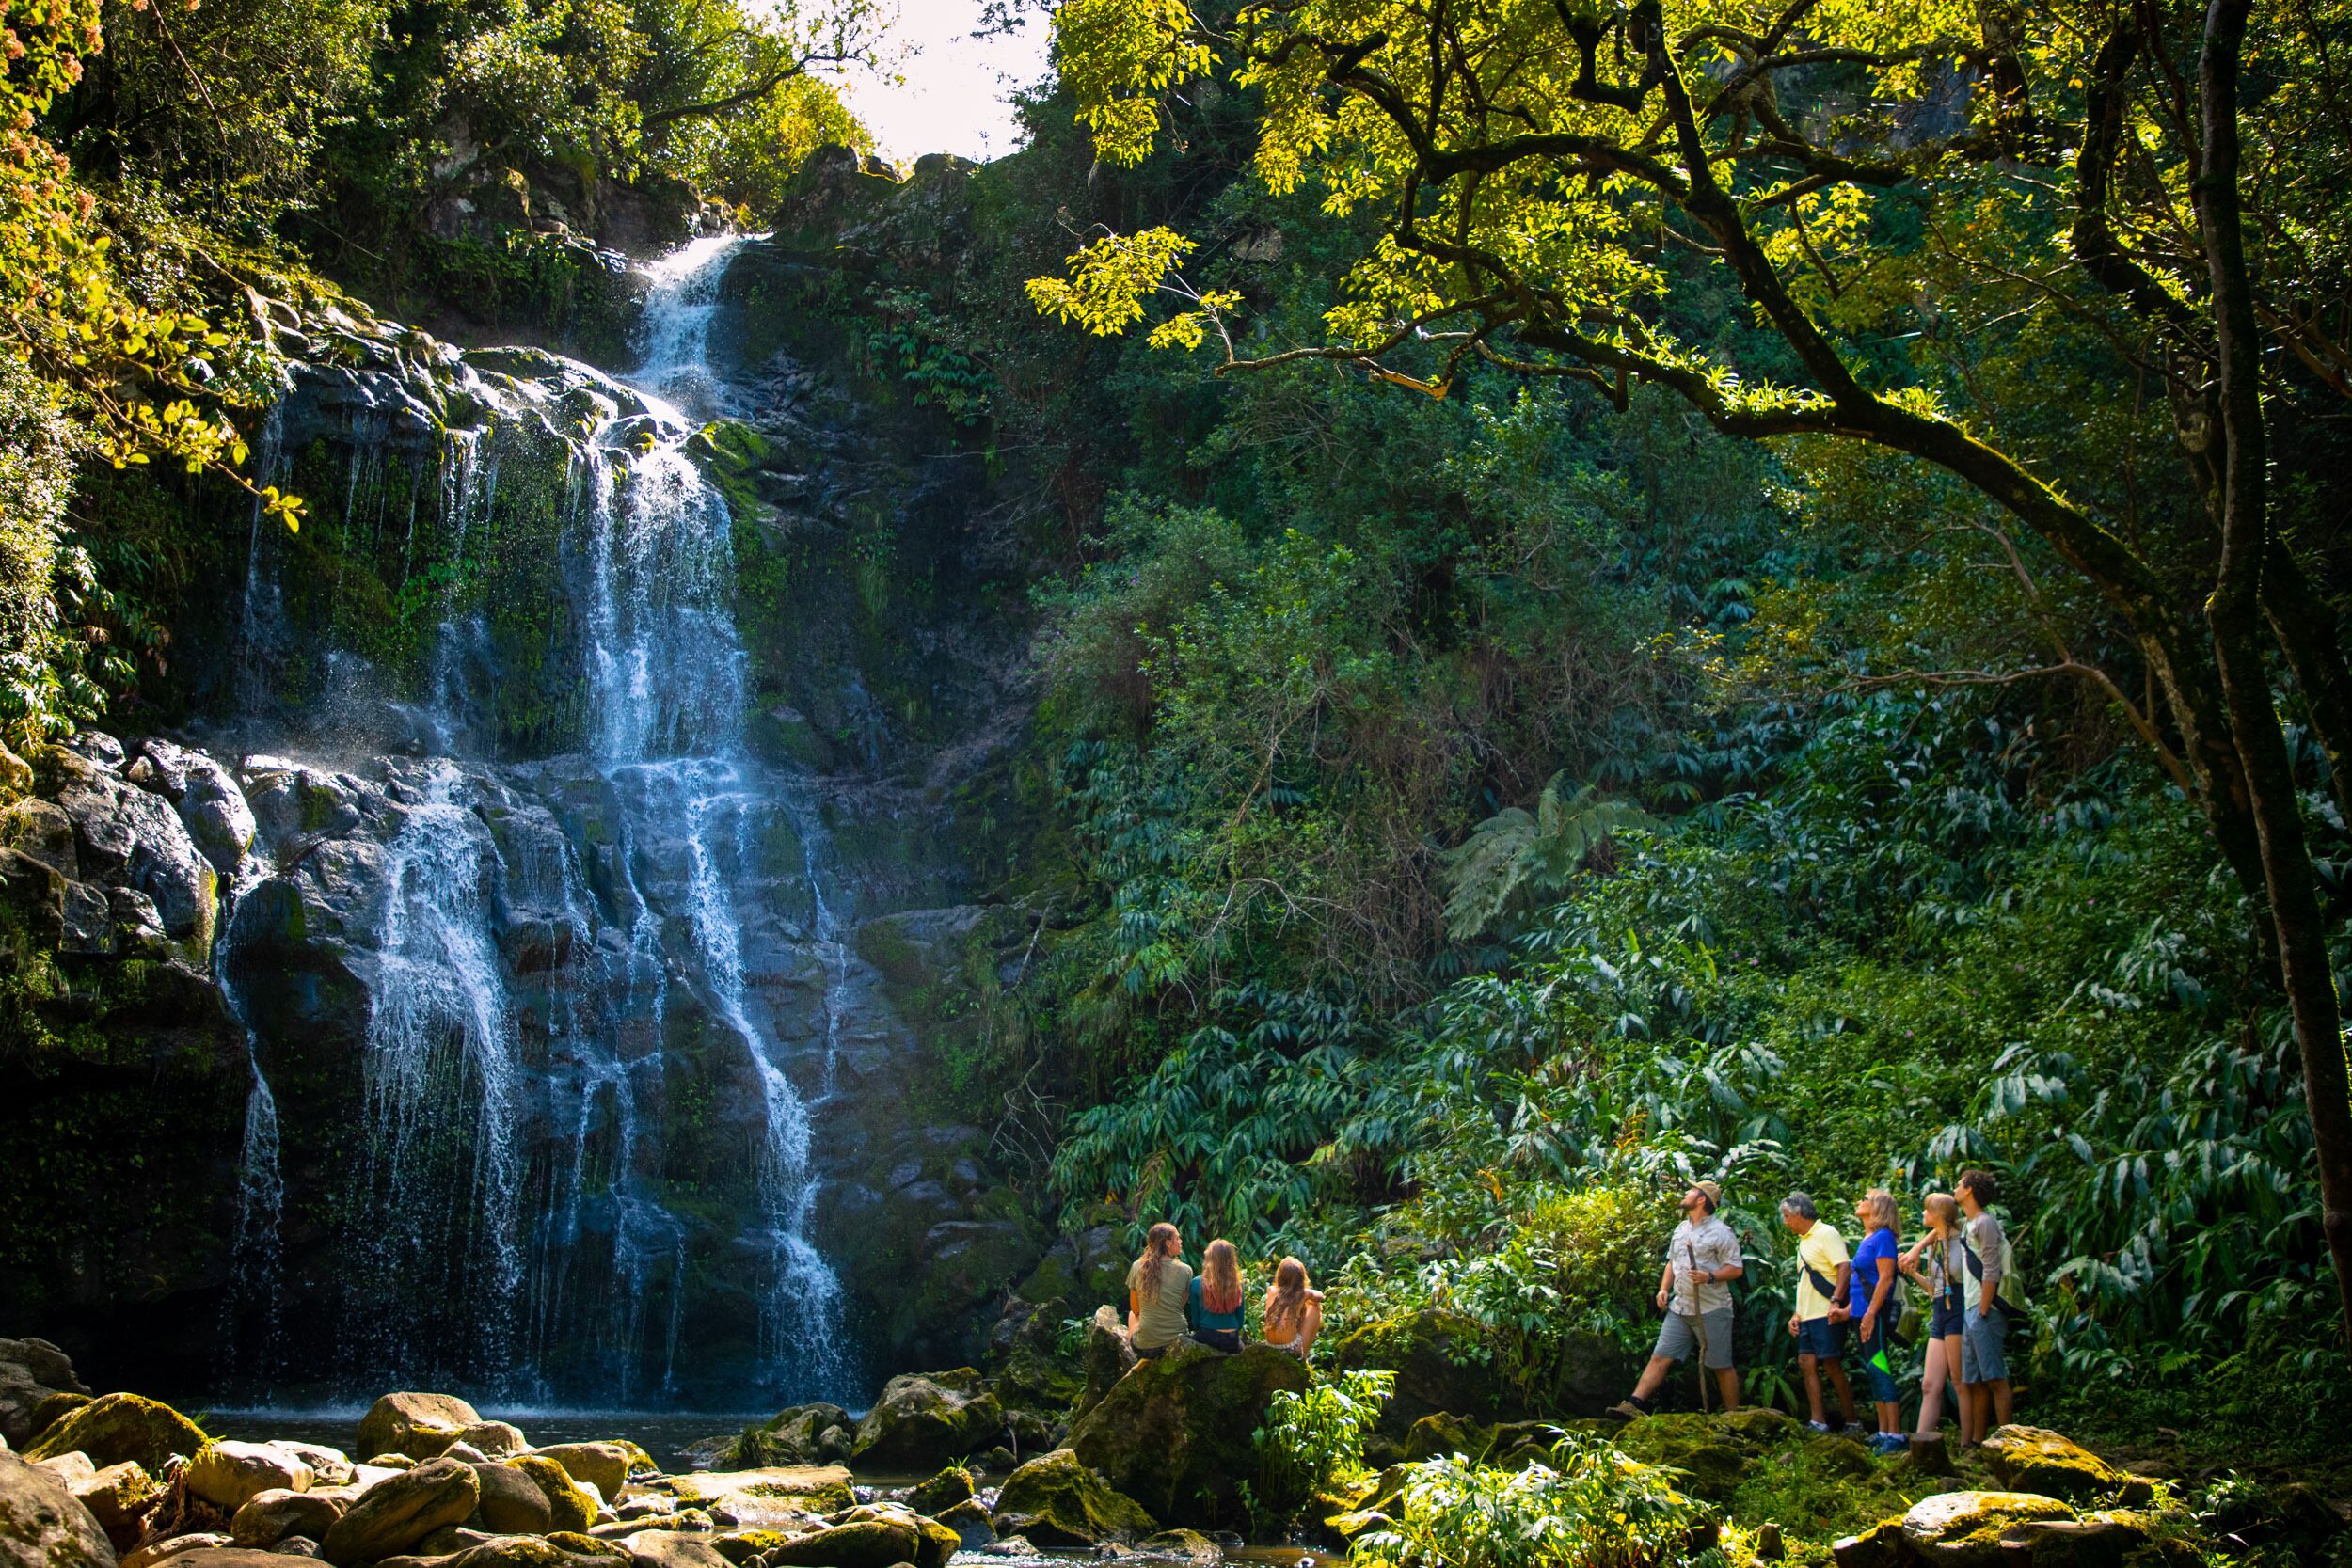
[126, 837]
[869, 1536]
[2033, 1459]
[117, 1496]
[40, 1524]
[817, 1434]
[115, 1427]
[396, 1514]
[33, 1374]
[602, 1466]
[925, 1420]
[569, 1507]
[269, 1517]
[511, 1503]
[229, 1474]
[1441, 1363]
[1712, 1452]
[422, 1426]
[1174, 1433]
[1109, 1356]
[668, 1548]
[1963, 1529]
[1054, 1500]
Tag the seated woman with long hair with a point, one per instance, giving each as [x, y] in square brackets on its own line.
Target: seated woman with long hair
[1158, 1286]
[1215, 1310]
[1293, 1310]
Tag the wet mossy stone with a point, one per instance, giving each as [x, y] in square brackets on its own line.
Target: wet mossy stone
[1714, 1452]
[941, 1493]
[2034, 1458]
[42, 1525]
[511, 1503]
[269, 1517]
[115, 1427]
[1169, 1433]
[51, 1410]
[569, 1507]
[925, 1420]
[401, 1511]
[1441, 1362]
[1055, 1500]
[1963, 1529]
[2098, 1540]
[602, 1466]
[859, 1543]
[422, 1426]
[1880, 1546]
[228, 1474]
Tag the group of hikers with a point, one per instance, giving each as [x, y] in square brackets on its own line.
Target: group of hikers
[1167, 1302]
[1847, 1308]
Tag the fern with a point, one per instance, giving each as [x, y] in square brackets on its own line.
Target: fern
[1516, 855]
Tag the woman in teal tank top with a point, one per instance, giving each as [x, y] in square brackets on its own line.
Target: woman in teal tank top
[1214, 1309]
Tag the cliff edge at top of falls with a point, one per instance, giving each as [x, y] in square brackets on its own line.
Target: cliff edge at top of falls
[494, 1055]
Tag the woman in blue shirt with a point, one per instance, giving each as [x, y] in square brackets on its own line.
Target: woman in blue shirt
[1214, 1310]
[1871, 1302]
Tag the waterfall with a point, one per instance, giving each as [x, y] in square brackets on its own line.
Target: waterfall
[666, 715]
[503, 1220]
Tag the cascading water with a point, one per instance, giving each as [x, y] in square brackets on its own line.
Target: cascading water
[508, 1221]
[666, 714]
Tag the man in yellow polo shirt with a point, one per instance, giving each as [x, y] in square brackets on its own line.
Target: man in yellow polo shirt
[1819, 1323]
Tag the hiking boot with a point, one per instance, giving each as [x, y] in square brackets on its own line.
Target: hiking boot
[1625, 1410]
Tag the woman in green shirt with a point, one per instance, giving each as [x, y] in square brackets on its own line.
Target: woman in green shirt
[1158, 1286]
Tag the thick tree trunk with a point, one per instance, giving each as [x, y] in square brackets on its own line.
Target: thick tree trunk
[2234, 612]
[2305, 624]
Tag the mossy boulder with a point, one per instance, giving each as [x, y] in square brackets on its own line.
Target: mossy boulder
[269, 1517]
[2099, 1539]
[229, 1474]
[422, 1426]
[925, 1420]
[662, 1548]
[396, 1514]
[1109, 1355]
[569, 1507]
[1712, 1452]
[858, 1543]
[1174, 1433]
[941, 1493]
[1963, 1529]
[1441, 1362]
[1055, 1500]
[511, 1503]
[805, 1435]
[116, 1427]
[42, 1525]
[602, 1466]
[2034, 1458]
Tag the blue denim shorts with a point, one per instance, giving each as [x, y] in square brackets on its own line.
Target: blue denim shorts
[1883, 1390]
[1945, 1322]
[1821, 1338]
[1983, 1341]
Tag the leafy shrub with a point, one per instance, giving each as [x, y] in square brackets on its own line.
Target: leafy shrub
[1590, 1508]
[1313, 1441]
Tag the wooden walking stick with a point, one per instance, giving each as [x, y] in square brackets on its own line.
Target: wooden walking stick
[1699, 1316]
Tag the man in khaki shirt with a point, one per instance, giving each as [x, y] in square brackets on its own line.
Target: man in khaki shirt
[1695, 1292]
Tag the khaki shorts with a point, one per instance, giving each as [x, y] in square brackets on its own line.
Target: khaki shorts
[1678, 1337]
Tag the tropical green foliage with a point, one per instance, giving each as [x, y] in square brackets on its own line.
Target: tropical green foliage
[1590, 1508]
[1313, 1441]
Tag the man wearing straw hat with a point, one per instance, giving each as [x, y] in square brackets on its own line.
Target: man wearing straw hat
[1695, 1292]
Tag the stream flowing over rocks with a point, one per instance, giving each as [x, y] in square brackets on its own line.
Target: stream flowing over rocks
[540, 967]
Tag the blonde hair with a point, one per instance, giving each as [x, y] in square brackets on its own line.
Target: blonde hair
[1944, 1209]
[1220, 1276]
[1880, 1205]
[1288, 1298]
[1159, 1245]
